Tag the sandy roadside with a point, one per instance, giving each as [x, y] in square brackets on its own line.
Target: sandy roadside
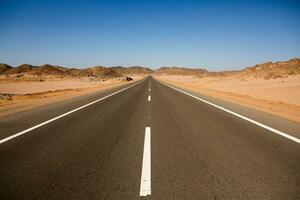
[28, 95]
[280, 97]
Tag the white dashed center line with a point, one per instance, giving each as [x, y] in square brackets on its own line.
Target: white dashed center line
[145, 188]
[149, 98]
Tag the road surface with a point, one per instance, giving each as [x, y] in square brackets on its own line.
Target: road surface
[148, 141]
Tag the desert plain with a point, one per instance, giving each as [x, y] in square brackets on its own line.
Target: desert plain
[270, 87]
[26, 87]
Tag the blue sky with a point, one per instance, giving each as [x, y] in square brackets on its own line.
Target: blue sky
[217, 35]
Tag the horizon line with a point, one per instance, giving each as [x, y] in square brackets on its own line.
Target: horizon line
[144, 66]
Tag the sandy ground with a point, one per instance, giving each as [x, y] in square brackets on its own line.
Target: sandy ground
[28, 95]
[277, 96]
[52, 85]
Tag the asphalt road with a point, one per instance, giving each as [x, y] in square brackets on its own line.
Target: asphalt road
[195, 151]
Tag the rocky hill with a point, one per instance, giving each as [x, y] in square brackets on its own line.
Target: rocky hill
[32, 70]
[4, 68]
[96, 72]
[271, 70]
[180, 71]
[102, 72]
[132, 70]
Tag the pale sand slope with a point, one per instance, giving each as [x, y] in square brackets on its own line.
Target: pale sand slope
[29, 95]
[49, 85]
[277, 96]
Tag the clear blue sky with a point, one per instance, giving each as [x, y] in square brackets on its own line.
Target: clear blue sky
[218, 35]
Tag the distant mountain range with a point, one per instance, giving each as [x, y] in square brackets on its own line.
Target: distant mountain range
[265, 70]
[97, 71]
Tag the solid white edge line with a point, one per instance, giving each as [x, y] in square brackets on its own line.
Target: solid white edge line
[238, 115]
[63, 115]
[145, 188]
[149, 98]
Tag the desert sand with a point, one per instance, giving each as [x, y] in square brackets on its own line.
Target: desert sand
[280, 96]
[16, 96]
[29, 87]
[272, 87]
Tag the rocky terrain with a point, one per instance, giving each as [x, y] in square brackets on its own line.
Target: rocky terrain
[132, 70]
[269, 70]
[27, 72]
[180, 71]
[274, 70]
